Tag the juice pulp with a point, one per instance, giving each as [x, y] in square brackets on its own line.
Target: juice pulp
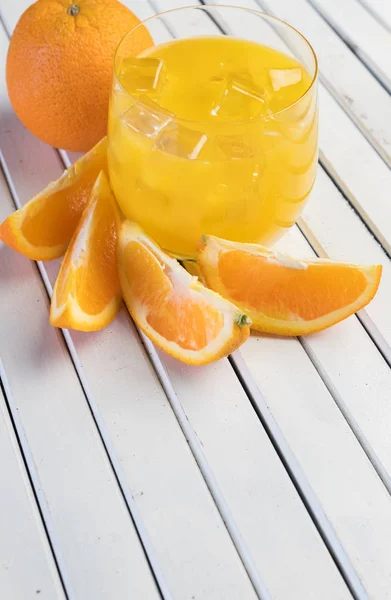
[198, 143]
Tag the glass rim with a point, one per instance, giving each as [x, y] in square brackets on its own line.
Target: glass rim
[206, 8]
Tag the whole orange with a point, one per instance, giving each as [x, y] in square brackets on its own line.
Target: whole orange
[59, 67]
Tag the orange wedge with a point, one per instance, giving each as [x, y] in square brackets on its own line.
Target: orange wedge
[180, 315]
[87, 293]
[42, 229]
[284, 295]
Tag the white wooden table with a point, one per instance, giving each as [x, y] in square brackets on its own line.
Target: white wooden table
[127, 475]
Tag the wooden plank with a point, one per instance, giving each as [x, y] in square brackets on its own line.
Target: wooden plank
[180, 376]
[291, 394]
[327, 411]
[155, 466]
[335, 230]
[224, 467]
[271, 518]
[347, 359]
[378, 369]
[257, 549]
[328, 596]
[158, 475]
[341, 72]
[96, 544]
[381, 10]
[27, 567]
[362, 32]
[356, 168]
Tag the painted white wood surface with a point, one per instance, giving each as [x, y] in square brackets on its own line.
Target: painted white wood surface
[146, 444]
[369, 39]
[157, 471]
[232, 423]
[355, 368]
[352, 355]
[352, 496]
[348, 80]
[356, 168]
[381, 10]
[325, 220]
[271, 518]
[156, 493]
[354, 371]
[27, 568]
[352, 328]
[72, 470]
[358, 348]
[274, 552]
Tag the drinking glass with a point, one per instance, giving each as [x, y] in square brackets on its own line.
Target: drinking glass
[251, 180]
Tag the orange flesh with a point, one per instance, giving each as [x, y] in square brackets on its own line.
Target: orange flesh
[173, 311]
[57, 218]
[281, 292]
[94, 282]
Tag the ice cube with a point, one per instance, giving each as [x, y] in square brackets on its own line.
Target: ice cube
[181, 141]
[240, 98]
[121, 100]
[281, 78]
[142, 75]
[146, 117]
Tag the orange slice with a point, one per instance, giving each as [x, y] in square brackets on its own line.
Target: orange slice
[284, 295]
[42, 229]
[87, 293]
[180, 315]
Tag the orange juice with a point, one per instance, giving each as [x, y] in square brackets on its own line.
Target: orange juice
[214, 135]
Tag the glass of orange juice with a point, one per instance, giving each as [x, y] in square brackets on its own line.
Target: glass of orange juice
[213, 133]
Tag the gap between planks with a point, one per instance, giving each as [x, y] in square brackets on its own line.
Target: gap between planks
[364, 319]
[365, 18]
[30, 471]
[367, 323]
[379, 11]
[329, 536]
[189, 434]
[107, 445]
[321, 522]
[339, 553]
[231, 526]
[298, 478]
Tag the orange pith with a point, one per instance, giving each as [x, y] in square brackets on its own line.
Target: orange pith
[42, 229]
[178, 313]
[87, 294]
[284, 295]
